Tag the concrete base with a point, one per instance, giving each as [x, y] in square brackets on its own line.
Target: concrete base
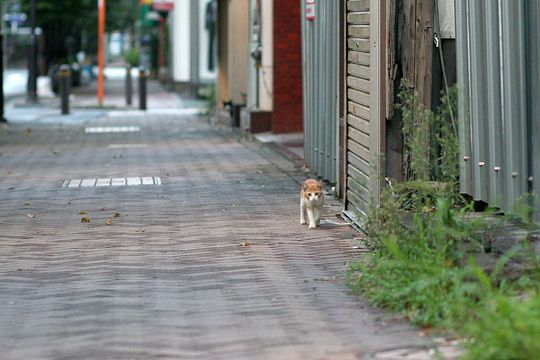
[255, 122]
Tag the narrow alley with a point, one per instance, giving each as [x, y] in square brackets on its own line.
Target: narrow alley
[132, 234]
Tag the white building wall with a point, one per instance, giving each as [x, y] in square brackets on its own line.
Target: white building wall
[266, 70]
[180, 29]
[204, 73]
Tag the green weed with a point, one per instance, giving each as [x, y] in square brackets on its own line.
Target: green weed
[423, 244]
[431, 145]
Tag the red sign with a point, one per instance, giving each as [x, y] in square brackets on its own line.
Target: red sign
[163, 5]
[310, 10]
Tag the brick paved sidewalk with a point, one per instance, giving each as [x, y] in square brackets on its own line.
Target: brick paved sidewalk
[168, 277]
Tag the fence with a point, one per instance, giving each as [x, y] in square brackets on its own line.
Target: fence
[498, 71]
[320, 56]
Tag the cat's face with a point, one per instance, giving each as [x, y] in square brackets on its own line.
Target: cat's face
[312, 191]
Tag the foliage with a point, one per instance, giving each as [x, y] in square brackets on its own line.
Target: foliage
[413, 269]
[504, 320]
[415, 129]
[506, 328]
[82, 14]
[131, 57]
[424, 270]
[209, 95]
[75, 22]
[431, 147]
[445, 141]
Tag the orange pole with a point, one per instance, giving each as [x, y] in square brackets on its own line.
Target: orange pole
[101, 54]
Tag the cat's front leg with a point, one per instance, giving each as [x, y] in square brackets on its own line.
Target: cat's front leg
[317, 216]
[311, 218]
[302, 212]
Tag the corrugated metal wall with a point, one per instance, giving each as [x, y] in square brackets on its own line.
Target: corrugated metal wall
[497, 43]
[320, 56]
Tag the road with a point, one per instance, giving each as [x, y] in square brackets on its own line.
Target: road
[143, 235]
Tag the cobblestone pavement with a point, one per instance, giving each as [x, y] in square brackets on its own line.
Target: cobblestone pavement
[211, 264]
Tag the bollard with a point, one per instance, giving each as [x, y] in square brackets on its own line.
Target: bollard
[2, 118]
[142, 88]
[64, 79]
[129, 86]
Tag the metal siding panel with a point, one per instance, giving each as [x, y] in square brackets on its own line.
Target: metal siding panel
[334, 124]
[496, 164]
[463, 64]
[321, 120]
[533, 43]
[305, 79]
[513, 80]
[320, 84]
[478, 89]
[495, 85]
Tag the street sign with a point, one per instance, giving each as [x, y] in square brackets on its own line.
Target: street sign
[310, 10]
[163, 5]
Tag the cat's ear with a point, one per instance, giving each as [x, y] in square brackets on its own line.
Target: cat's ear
[304, 186]
[320, 184]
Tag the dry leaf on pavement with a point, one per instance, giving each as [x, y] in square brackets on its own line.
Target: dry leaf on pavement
[108, 222]
[116, 214]
[82, 212]
[85, 219]
[31, 216]
[245, 244]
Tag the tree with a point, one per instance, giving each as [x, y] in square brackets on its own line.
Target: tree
[70, 26]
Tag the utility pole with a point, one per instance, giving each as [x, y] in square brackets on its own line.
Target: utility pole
[32, 57]
[101, 54]
[2, 118]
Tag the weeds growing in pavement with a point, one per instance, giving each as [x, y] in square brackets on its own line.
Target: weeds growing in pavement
[424, 245]
[425, 270]
[431, 146]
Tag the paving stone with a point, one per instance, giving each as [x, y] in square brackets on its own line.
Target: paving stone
[212, 264]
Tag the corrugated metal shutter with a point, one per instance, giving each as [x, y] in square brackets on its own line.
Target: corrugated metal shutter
[320, 56]
[497, 44]
[363, 153]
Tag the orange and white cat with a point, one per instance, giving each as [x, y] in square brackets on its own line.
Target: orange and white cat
[311, 202]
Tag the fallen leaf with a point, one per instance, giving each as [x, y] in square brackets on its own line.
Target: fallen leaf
[85, 219]
[245, 244]
[31, 216]
[103, 209]
[27, 203]
[116, 214]
[82, 212]
[108, 222]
